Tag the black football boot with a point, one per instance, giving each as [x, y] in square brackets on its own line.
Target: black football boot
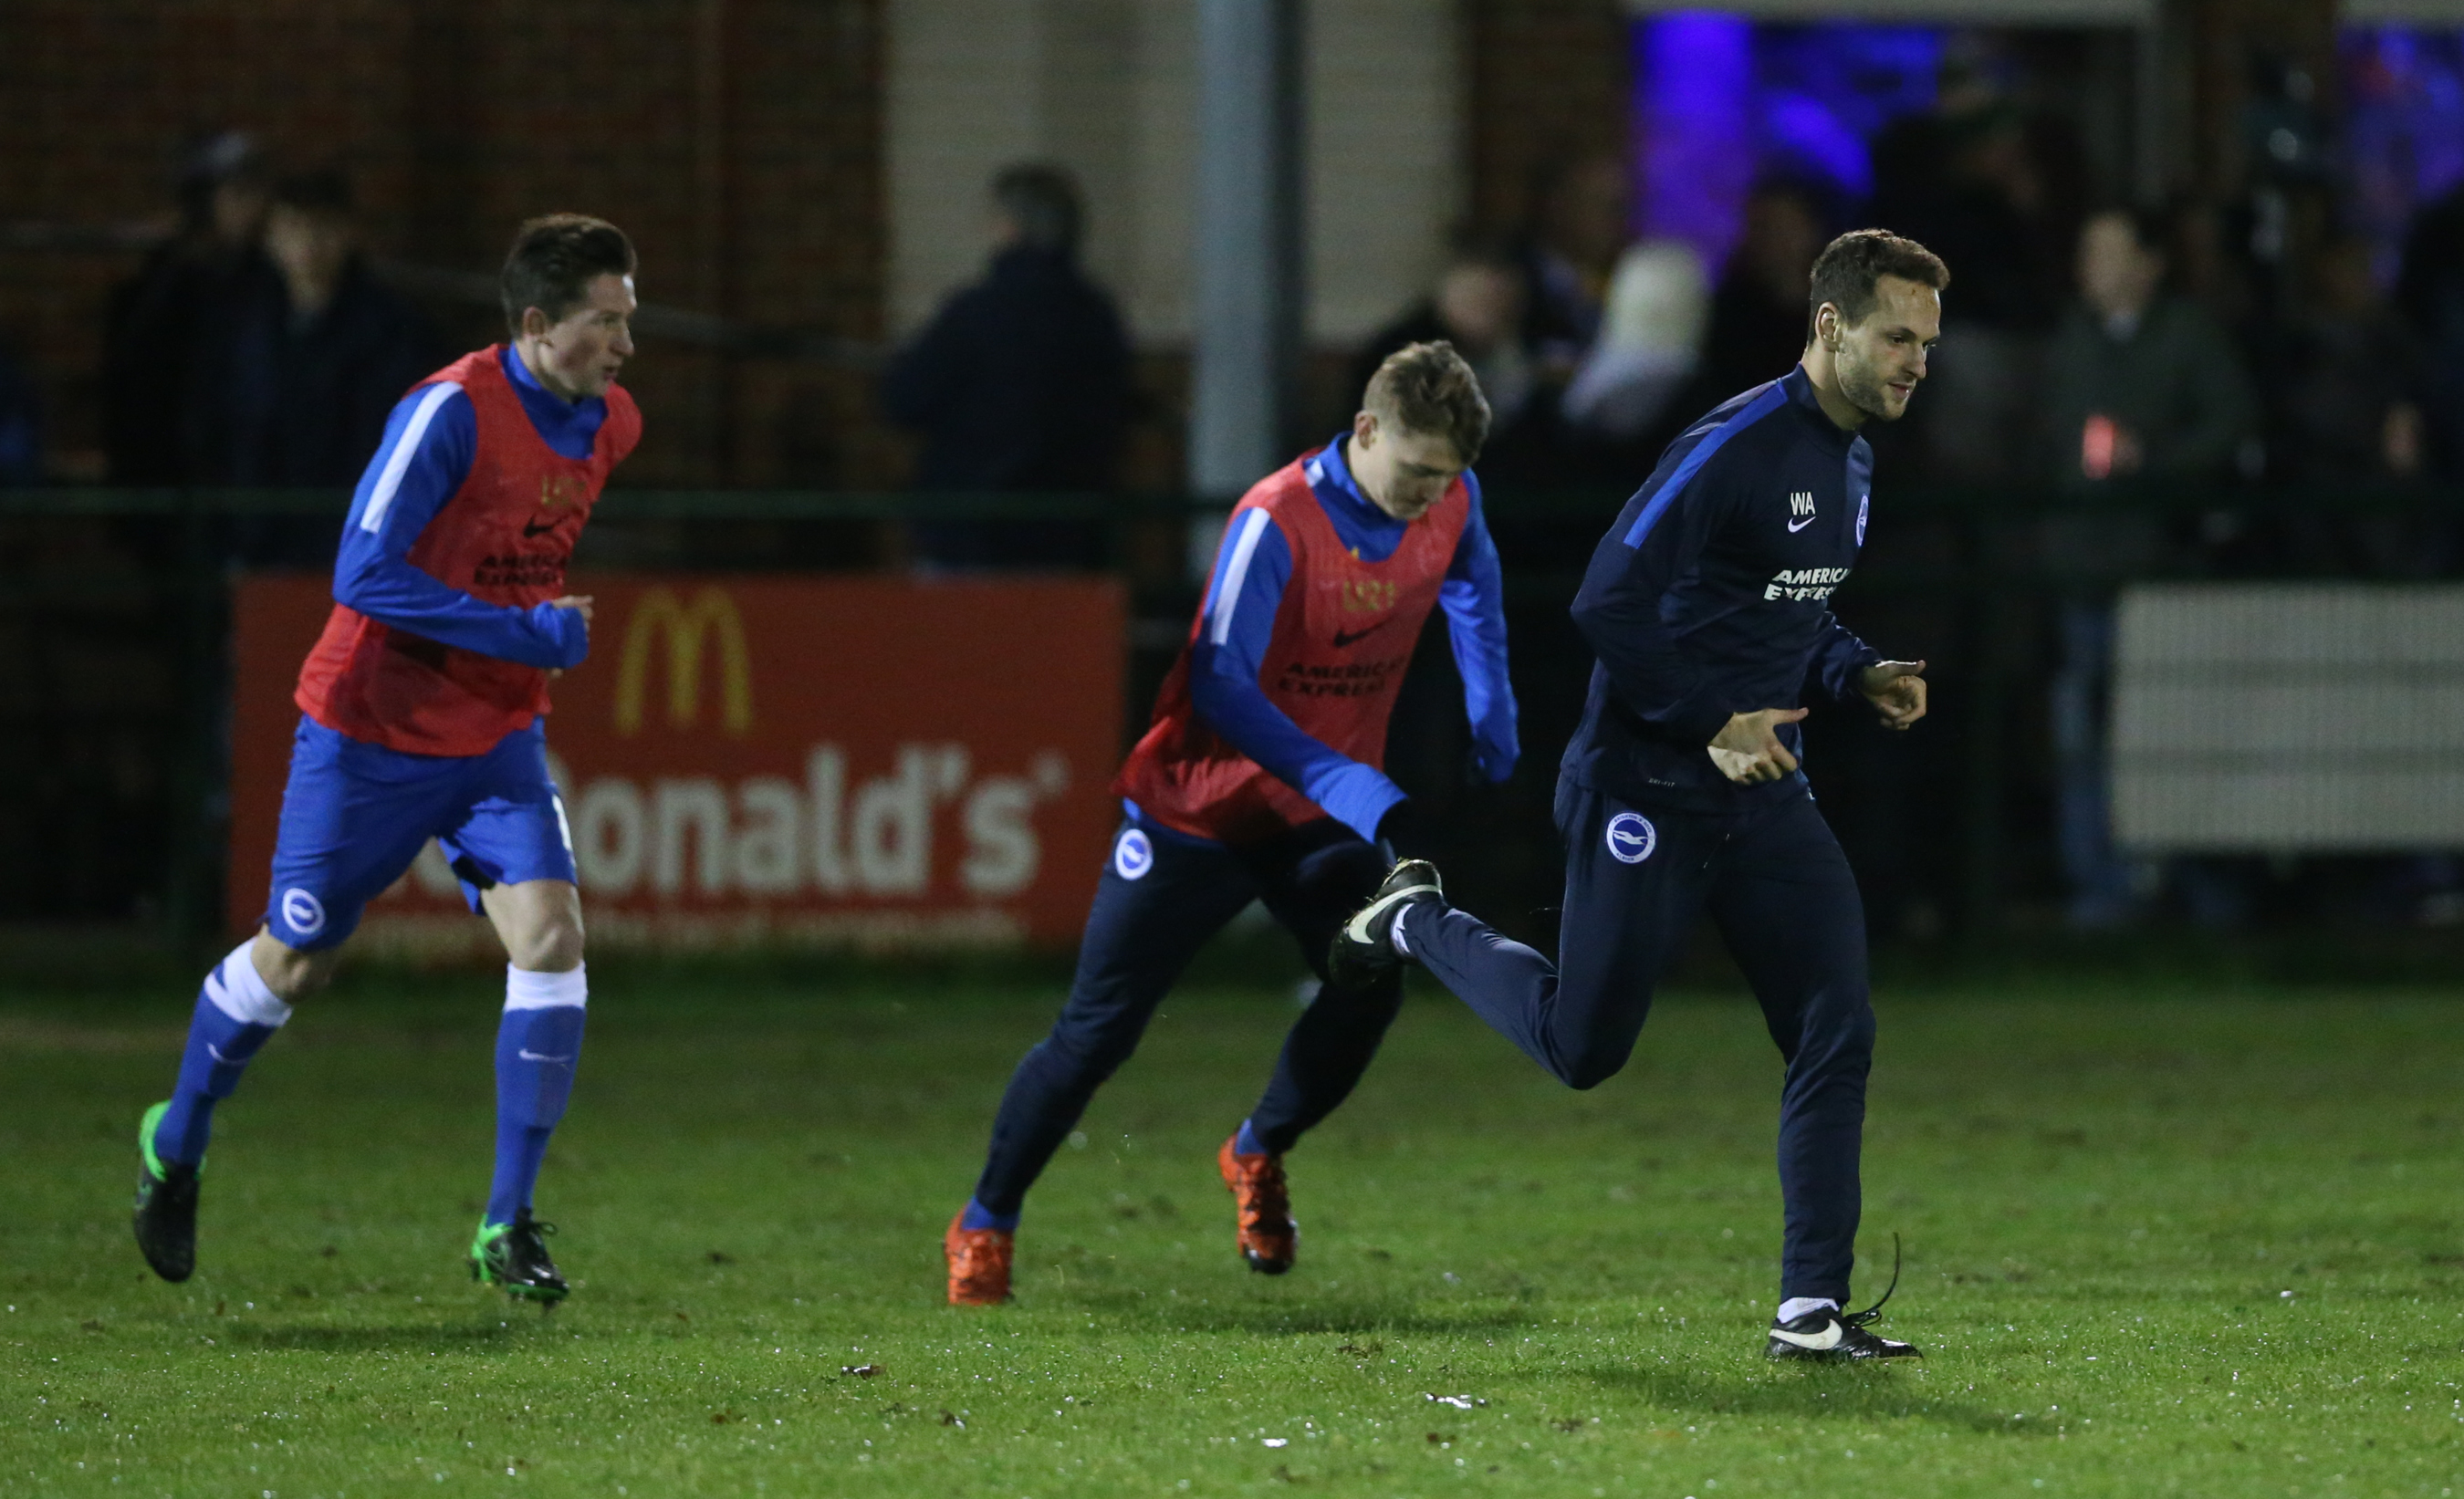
[514, 1256]
[1832, 1337]
[1364, 945]
[165, 1218]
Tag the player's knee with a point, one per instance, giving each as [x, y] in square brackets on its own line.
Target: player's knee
[539, 922]
[552, 945]
[1586, 1073]
[1838, 1033]
[293, 973]
[1849, 1021]
[1594, 1065]
[1092, 1052]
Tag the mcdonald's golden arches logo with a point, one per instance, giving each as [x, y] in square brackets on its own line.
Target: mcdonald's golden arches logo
[712, 614]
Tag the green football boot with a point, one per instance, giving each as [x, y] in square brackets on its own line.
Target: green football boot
[167, 1204]
[514, 1255]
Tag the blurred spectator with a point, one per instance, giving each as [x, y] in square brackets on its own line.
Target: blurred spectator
[1966, 180]
[1021, 381]
[1757, 327]
[1478, 307]
[167, 346]
[2347, 412]
[1577, 232]
[21, 426]
[1993, 189]
[2139, 382]
[1650, 338]
[2430, 296]
[321, 353]
[2348, 409]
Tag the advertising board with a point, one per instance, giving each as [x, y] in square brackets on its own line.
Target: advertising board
[878, 764]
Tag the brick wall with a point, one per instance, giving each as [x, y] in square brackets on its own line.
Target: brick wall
[738, 140]
[741, 141]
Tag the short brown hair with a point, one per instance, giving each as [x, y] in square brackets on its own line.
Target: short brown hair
[1845, 273]
[554, 260]
[1428, 387]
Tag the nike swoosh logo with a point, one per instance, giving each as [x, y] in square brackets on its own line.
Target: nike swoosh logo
[1816, 1342]
[1797, 526]
[1344, 638]
[216, 1052]
[530, 1056]
[1358, 929]
[532, 527]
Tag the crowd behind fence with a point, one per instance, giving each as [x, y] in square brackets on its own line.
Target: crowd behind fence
[114, 680]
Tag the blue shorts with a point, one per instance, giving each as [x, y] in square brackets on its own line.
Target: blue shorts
[354, 814]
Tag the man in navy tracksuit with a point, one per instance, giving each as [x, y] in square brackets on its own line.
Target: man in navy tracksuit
[1707, 607]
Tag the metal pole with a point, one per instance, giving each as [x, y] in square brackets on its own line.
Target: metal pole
[1250, 299]
[1987, 685]
[2148, 112]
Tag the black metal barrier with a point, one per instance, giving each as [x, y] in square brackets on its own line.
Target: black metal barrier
[114, 619]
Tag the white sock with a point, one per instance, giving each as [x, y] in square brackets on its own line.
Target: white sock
[1394, 934]
[239, 991]
[525, 989]
[1795, 1306]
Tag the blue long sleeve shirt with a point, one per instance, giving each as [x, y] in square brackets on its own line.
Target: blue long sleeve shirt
[430, 440]
[1254, 566]
[1711, 597]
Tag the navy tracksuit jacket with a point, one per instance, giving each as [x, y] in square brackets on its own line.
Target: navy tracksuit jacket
[1709, 597]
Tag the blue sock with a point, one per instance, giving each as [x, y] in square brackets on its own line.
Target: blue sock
[537, 1045]
[978, 1216]
[1245, 1143]
[235, 1012]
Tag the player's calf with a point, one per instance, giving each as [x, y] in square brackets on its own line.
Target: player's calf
[539, 1045]
[237, 1012]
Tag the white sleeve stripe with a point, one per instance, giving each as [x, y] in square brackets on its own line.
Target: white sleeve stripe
[1228, 593]
[405, 448]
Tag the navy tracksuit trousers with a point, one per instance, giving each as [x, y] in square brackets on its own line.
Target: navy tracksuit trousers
[1778, 888]
[1163, 895]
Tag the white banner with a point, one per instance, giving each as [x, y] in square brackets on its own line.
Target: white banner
[2289, 718]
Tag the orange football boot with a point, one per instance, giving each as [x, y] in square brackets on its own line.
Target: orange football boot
[978, 1263]
[1269, 1240]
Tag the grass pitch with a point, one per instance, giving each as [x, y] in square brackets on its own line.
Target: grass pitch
[2204, 1244]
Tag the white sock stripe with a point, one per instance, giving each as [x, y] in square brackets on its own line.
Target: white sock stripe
[1795, 1306]
[525, 989]
[238, 990]
[1394, 934]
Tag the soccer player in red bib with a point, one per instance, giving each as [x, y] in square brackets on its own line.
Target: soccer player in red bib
[420, 719]
[1260, 779]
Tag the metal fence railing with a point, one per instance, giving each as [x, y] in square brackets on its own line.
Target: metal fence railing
[113, 678]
